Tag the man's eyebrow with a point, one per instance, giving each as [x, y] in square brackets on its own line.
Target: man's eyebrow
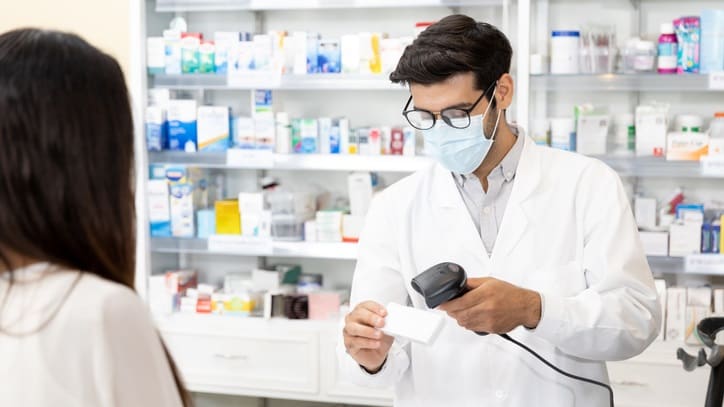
[462, 105]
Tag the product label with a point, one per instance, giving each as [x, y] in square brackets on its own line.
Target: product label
[667, 56]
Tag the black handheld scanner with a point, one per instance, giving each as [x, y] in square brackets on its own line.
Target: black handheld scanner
[441, 283]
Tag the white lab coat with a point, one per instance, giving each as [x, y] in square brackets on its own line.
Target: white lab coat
[568, 233]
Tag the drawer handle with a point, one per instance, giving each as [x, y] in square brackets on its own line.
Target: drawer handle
[229, 356]
[629, 383]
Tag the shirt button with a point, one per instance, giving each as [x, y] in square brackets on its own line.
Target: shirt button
[509, 174]
[486, 210]
[500, 394]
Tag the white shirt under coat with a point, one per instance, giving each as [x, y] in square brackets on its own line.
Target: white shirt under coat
[568, 233]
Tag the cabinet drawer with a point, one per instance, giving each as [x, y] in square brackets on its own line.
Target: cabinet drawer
[638, 384]
[271, 362]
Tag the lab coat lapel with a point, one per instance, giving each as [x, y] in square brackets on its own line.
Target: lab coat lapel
[517, 212]
[452, 214]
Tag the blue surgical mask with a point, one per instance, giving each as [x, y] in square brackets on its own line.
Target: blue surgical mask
[460, 150]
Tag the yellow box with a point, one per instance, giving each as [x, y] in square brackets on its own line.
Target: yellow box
[228, 219]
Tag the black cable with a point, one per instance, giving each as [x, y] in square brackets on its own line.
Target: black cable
[564, 373]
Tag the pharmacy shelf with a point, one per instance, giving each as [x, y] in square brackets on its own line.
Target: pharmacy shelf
[269, 5]
[656, 167]
[630, 166]
[315, 250]
[622, 82]
[309, 162]
[288, 82]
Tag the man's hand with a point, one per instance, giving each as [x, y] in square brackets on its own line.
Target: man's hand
[363, 340]
[494, 306]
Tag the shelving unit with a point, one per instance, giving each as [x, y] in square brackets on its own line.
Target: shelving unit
[311, 250]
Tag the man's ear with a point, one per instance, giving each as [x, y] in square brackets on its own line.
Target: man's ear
[504, 92]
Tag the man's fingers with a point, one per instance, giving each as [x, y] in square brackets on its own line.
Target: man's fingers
[363, 331]
[367, 317]
[373, 307]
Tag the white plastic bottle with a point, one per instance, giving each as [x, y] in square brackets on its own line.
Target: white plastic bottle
[716, 135]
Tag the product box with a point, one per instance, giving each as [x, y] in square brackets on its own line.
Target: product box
[329, 226]
[244, 137]
[591, 130]
[159, 210]
[721, 241]
[335, 137]
[323, 305]
[296, 135]
[353, 143]
[182, 210]
[651, 126]
[661, 291]
[251, 206]
[262, 48]
[155, 55]
[712, 36]
[228, 221]
[207, 57]
[313, 53]
[687, 146]
[344, 134]
[225, 43]
[156, 128]
[397, 141]
[172, 52]
[385, 137]
[719, 302]
[698, 301]
[655, 243]
[410, 145]
[675, 314]
[182, 125]
[309, 136]
[375, 142]
[190, 58]
[690, 212]
[330, 57]
[563, 133]
[299, 45]
[325, 129]
[205, 223]
[264, 133]
[645, 211]
[359, 186]
[363, 141]
[352, 228]
[684, 239]
[213, 128]
[350, 50]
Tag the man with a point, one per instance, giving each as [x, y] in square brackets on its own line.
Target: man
[546, 236]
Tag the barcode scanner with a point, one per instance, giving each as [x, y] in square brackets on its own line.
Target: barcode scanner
[446, 281]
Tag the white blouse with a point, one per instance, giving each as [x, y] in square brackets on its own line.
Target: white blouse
[100, 349]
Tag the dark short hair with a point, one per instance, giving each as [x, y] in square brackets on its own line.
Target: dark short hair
[456, 44]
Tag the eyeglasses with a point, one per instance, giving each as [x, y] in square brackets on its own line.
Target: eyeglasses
[455, 117]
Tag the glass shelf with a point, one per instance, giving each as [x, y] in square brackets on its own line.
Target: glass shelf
[332, 81]
[268, 5]
[655, 167]
[316, 250]
[311, 162]
[649, 82]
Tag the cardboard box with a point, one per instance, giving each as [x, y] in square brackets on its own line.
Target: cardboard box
[655, 243]
[684, 239]
[675, 313]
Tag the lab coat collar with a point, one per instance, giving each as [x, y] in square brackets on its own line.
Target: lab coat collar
[517, 212]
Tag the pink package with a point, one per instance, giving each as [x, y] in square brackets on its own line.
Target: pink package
[323, 305]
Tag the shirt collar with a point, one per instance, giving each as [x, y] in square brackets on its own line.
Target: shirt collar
[508, 165]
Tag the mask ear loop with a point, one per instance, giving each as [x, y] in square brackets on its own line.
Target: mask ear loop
[497, 120]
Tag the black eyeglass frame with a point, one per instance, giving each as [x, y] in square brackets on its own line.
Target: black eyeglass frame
[447, 120]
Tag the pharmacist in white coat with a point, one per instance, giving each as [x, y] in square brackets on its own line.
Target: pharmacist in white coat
[547, 238]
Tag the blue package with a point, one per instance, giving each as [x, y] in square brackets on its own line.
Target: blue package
[688, 207]
[334, 139]
[706, 239]
[205, 223]
[182, 125]
[313, 53]
[712, 41]
[330, 57]
[156, 128]
[715, 237]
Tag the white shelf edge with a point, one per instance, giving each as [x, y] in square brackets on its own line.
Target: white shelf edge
[310, 162]
[617, 82]
[315, 250]
[332, 81]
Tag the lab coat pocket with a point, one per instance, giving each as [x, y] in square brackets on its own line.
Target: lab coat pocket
[564, 280]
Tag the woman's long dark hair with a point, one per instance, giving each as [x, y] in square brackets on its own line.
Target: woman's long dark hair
[66, 157]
